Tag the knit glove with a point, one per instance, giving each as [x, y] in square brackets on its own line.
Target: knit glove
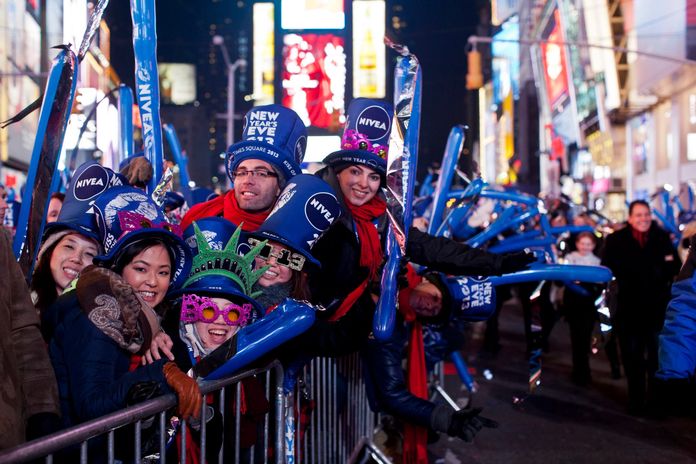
[514, 262]
[186, 389]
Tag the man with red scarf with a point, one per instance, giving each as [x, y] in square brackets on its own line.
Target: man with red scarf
[270, 153]
[644, 262]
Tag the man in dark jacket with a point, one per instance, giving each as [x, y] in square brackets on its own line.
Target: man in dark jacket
[644, 263]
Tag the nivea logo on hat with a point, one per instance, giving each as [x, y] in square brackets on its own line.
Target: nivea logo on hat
[374, 122]
[90, 182]
[317, 213]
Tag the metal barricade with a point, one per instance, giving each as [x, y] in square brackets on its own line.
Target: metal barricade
[139, 414]
[330, 393]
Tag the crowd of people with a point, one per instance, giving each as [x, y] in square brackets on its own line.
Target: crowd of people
[124, 302]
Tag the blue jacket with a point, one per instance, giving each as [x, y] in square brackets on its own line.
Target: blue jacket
[677, 350]
[91, 369]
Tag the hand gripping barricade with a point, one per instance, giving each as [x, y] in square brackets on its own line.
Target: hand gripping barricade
[139, 417]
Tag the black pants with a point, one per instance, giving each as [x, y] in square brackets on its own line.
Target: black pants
[639, 357]
[581, 317]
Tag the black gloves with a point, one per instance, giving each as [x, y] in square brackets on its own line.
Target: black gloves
[42, 424]
[464, 423]
[513, 262]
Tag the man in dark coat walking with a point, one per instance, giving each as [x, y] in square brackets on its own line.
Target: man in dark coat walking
[644, 263]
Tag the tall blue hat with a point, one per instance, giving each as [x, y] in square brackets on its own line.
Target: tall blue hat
[305, 209]
[88, 183]
[470, 299]
[218, 269]
[365, 137]
[274, 134]
[125, 215]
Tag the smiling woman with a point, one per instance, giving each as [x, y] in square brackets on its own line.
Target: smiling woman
[109, 316]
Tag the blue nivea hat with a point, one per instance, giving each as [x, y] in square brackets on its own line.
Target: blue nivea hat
[305, 209]
[201, 195]
[471, 299]
[274, 134]
[89, 182]
[125, 215]
[366, 135]
[218, 268]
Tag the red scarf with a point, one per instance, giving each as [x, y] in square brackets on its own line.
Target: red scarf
[227, 207]
[370, 247]
[641, 237]
[415, 437]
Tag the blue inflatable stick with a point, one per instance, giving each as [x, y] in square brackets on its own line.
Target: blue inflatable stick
[147, 84]
[290, 319]
[455, 142]
[402, 161]
[42, 174]
[125, 123]
[181, 160]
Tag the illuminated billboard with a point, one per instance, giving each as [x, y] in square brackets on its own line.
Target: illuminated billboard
[314, 78]
[369, 52]
[506, 61]
[263, 67]
[177, 83]
[312, 14]
[553, 59]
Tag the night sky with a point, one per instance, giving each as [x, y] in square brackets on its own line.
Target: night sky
[435, 30]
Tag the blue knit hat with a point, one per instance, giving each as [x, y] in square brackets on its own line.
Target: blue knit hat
[125, 215]
[305, 209]
[365, 138]
[274, 134]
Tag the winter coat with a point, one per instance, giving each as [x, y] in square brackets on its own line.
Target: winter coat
[27, 383]
[91, 369]
[677, 351]
[385, 379]
[644, 276]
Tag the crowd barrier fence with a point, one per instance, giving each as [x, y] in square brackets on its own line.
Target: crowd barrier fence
[139, 414]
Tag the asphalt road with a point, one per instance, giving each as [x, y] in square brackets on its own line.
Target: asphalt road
[560, 422]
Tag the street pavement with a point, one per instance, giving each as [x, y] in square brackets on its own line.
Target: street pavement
[560, 422]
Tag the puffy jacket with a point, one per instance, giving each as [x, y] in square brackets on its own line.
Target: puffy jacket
[677, 352]
[385, 379]
[91, 369]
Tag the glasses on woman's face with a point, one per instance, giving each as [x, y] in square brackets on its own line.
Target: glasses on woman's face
[196, 308]
[260, 173]
[283, 256]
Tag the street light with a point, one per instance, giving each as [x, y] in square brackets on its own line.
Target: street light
[231, 69]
